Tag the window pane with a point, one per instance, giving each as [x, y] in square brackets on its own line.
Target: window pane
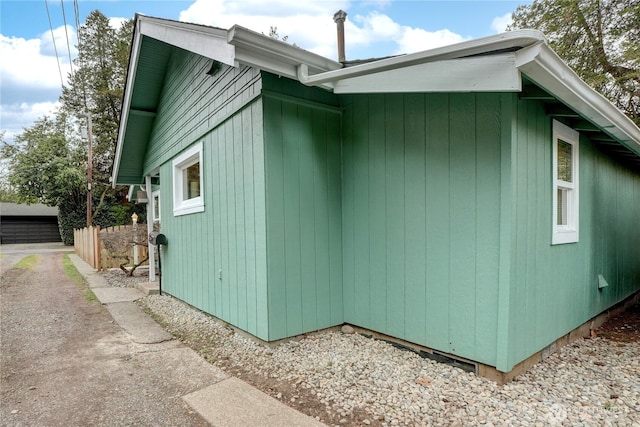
[562, 206]
[565, 172]
[192, 181]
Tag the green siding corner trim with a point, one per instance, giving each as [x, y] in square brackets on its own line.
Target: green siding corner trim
[285, 87]
[303, 206]
[216, 259]
[507, 200]
[300, 101]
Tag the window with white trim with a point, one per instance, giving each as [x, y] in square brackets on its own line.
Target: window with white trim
[565, 184]
[187, 182]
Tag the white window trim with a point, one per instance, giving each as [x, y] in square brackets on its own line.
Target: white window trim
[180, 163]
[566, 233]
[154, 195]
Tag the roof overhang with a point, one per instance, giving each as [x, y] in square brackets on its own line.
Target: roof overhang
[544, 67]
[234, 47]
[496, 63]
[490, 64]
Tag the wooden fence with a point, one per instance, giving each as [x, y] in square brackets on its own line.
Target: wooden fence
[86, 242]
[103, 248]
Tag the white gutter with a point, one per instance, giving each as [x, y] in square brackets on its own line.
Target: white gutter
[508, 40]
[542, 65]
[275, 56]
[534, 58]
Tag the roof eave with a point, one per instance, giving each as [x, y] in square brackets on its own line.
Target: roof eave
[275, 56]
[234, 47]
[499, 42]
[206, 41]
[126, 102]
[544, 67]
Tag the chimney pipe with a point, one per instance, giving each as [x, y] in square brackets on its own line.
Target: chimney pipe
[339, 17]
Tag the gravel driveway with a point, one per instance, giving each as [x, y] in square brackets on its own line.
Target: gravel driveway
[348, 379]
[64, 362]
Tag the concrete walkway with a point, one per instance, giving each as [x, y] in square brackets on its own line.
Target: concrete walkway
[225, 400]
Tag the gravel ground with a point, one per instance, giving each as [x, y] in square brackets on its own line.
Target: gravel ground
[349, 379]
[116, 277]
[65, 362]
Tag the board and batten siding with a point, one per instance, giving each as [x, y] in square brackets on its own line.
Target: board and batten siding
[303, 208]
[554, 288]
[421, 218]
[215, 260]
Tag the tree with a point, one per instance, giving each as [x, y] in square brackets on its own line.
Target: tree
[47, 167]
[97, 86]
[43, 166]
[48, 162]
[7, 194]
[96, 89]
[599, 39]
[273, 33]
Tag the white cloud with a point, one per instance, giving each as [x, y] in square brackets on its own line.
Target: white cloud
[500, 23]
[30, 78]
[15, 117]
[218, 12]
[116, 23]
[32, 63]
[377, 27]
[309, 24]
[60, 35]
[417, 39]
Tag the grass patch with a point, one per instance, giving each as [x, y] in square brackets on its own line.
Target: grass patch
[28, 262]
[90, 296]
[73, 274]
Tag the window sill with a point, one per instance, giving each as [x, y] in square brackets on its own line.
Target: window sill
[185, 210]
[564, 237]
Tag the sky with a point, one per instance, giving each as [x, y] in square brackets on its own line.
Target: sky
[31, 75]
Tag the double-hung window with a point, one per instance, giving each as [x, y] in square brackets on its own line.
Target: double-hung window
[565, 184]
[187, 182]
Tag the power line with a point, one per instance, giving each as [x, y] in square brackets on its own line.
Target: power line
[76, 11]
[55, 48]
[64, 19]
[89, 124]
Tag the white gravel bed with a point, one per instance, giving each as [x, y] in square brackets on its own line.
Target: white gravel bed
[592, 382]
[116, 277]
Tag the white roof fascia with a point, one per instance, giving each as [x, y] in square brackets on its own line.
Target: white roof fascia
[542, 65]
[275, 56]
[507, 40]
[206, 41]
[128, 90]
[491, 73]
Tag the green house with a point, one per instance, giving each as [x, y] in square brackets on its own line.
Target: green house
[478, 200]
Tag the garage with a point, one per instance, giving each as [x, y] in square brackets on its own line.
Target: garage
[21, 223]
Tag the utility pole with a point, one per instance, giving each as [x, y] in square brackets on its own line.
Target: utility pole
[89, 170]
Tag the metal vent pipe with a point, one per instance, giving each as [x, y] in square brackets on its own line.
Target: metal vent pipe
[339, 17]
